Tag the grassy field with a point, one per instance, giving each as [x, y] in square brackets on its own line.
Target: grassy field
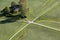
[45, 14]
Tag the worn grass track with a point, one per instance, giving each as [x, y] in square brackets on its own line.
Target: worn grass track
[46, 15]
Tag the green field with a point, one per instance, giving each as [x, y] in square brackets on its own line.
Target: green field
[45, 15]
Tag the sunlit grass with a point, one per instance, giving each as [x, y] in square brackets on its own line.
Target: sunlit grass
[45, 9]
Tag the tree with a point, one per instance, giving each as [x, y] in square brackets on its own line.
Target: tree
[23, 4]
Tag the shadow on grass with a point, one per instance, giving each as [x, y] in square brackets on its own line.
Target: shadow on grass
[9, 20]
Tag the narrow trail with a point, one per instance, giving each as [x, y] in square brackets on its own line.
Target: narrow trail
[31, 22]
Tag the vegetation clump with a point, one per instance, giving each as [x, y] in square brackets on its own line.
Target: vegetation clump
[14, 10]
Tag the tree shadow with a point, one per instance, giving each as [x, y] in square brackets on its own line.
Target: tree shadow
[9, 19]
